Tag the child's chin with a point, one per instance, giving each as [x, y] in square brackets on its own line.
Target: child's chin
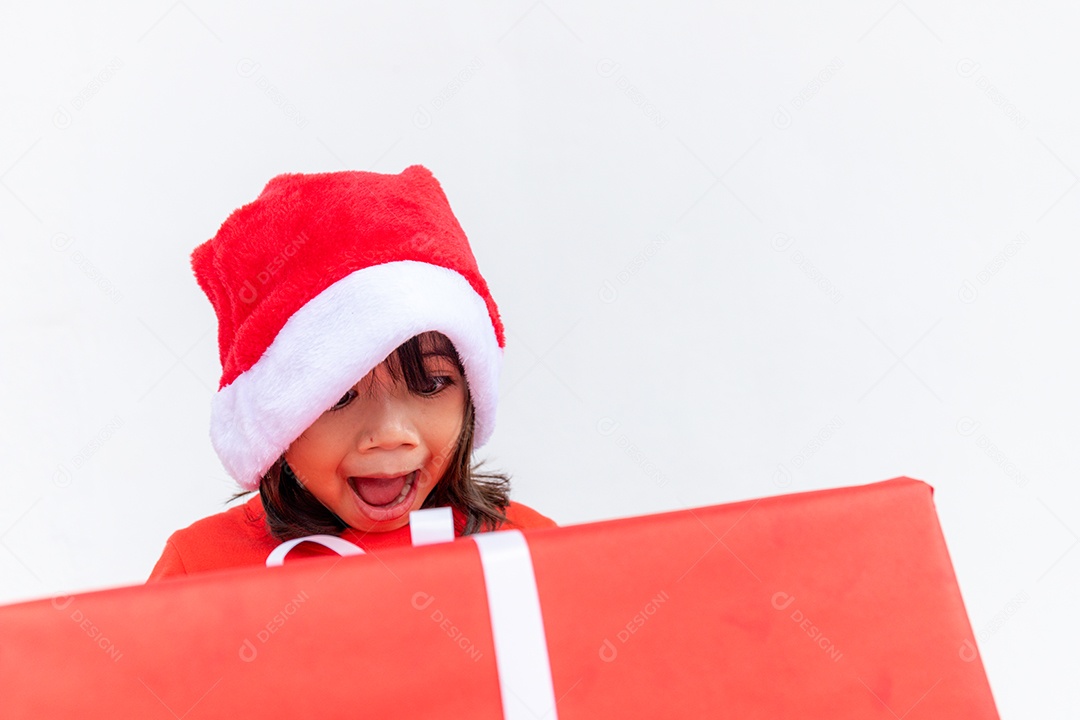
[363, 525]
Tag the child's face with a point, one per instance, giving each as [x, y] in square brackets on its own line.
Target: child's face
[382, 428]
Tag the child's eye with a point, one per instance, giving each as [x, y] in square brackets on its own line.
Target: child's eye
[447, 381]
[439, 383]
[345, 400]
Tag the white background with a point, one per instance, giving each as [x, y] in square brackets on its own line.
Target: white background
[738, 252]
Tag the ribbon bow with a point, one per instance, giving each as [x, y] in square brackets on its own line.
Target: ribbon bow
[517, 625]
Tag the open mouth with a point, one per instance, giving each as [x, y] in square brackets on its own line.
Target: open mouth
[382, 499]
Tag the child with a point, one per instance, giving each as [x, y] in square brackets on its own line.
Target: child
[360, 352]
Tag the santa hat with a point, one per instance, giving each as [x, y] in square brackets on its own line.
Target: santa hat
[315, 283]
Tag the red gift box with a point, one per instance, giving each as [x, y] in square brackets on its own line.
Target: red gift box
[836, 603]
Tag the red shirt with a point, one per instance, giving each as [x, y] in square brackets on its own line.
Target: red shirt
[238, 537]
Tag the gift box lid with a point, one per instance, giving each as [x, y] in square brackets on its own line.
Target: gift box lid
[838, 603]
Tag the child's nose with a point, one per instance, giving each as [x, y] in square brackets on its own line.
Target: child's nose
[387, 418]
[386, 430]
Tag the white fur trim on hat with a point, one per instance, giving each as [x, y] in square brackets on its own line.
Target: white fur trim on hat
[336, 339]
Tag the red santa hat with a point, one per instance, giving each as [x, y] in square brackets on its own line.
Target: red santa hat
[316, 282]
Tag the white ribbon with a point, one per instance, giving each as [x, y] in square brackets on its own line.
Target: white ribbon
[339, 545]
[517, 625]
[426, 527]
[431, 525]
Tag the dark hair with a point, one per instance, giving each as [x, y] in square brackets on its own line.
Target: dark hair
[292, 511]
